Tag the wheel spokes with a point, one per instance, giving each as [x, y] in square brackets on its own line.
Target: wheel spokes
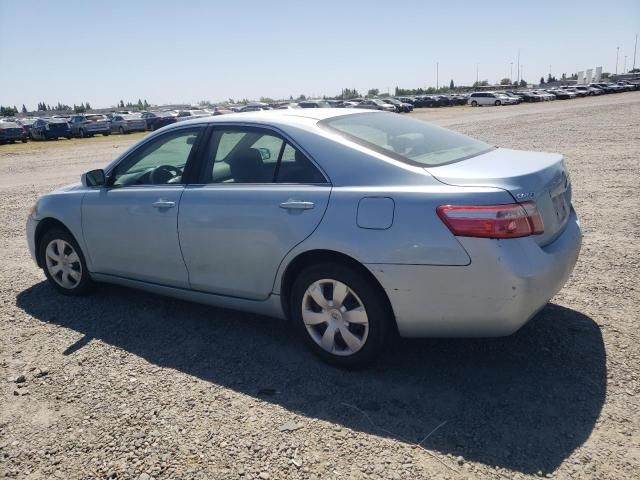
[318, 296]
[340, 292]
[329, 338]
[353, 342]
[311, 318]
[357, 316]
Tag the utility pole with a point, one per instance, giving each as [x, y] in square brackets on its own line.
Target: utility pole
[437, 76]
[634, 52]
[477, 68]
[617, 52]
[624, 70]
[518, 66]
[511, 73]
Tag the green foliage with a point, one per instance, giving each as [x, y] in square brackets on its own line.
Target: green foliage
[301, 97]
[634, 70]
[483, 83]
[505, 81]
[267, 100]
[8, 111]
[452, 85]
[24, 109]
[523, 83]
[541, 80]
[373, 92]
[348, 93]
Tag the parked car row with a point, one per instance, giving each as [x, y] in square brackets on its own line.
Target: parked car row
[567, 92]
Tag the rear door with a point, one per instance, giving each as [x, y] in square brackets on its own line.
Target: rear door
[258, 197]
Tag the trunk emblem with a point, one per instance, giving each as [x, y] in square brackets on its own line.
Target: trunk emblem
[525, 196]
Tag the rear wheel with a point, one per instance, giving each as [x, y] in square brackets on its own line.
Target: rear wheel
[106, 134]
[24, 140]
[64, 263]
[498, 103]
[474, 104]
[83, 134]
[339, 313]
[121, 130]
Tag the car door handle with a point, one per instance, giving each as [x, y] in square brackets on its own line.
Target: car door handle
[297, 205]
[163, 204]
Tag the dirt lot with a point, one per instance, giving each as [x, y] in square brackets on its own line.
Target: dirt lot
[124, 384]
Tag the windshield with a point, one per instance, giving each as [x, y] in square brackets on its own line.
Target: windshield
[96, 118]
[406, 139]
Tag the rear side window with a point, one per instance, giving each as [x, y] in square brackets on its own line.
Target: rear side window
[406, 139]
[242, 155]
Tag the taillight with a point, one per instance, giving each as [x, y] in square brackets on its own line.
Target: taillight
[492, 221]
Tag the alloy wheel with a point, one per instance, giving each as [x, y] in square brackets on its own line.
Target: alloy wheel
[335, 317]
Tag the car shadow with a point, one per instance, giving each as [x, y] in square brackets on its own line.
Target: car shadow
[524, 402]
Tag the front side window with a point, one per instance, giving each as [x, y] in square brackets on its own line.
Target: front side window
[406, 139]
[242, 155]
[161, 161]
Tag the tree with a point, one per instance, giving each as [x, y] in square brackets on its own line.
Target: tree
[24, 109]
[302, 97]
[121, 104]
[373, 92]
[87, 106]
[605, 75]
[145, 104]
[523, 83]
[505, 81]
[78, 108]
[483, 83]
[634, 70]
[451, 84]
[541, 80]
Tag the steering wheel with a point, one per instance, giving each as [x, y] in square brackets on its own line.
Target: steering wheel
[164, 174]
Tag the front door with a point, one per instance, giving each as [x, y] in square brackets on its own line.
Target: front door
[131, 225]
[259, 196]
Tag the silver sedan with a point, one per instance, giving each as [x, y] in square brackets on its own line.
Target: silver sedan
[350, 224]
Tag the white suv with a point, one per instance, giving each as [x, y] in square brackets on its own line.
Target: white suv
[479, 99]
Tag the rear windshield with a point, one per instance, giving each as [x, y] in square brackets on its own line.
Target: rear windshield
[406, 139]
[96, 118]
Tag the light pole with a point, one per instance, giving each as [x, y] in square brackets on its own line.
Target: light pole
[437, 76]
[617, 52]
[634, 52]
[477, 67]
[511, 73]
[624, 70]
[518, 66]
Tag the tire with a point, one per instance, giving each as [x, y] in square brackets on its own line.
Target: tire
[498, 103]
[24, 140]
[59, 273]
[474, 104]
[366, 335]
[121, 131]
[106, 134]
[68, 137]
[82, 133]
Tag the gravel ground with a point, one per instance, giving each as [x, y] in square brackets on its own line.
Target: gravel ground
[124, 384]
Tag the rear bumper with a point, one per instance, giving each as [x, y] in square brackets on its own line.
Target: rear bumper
[507, 283]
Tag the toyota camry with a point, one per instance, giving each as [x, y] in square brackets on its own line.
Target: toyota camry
[352, 225]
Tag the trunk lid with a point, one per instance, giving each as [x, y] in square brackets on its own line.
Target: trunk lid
[541, 177]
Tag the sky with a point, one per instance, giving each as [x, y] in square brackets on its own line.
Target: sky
[187, 51]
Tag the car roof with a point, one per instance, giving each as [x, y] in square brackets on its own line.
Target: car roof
[290, 117]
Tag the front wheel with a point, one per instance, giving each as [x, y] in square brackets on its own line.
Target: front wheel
[121, 130]
[106, 134]
[474, 104]
[340, 314]
[498, 103]
[64, 263]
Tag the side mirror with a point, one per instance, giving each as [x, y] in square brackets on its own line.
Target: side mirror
[94, 178]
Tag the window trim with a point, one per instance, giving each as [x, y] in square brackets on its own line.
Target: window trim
[189, 169]
[199, 171]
